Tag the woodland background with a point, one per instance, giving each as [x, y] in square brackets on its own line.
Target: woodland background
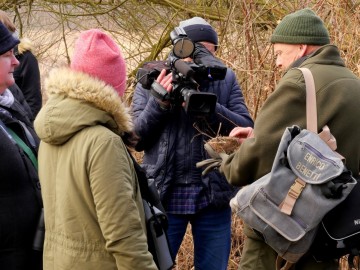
[142, 27]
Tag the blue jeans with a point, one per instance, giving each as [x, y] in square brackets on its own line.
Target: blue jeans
[211, 230]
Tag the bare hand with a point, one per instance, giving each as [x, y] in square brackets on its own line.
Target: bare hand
[165, 80]
[242, 133]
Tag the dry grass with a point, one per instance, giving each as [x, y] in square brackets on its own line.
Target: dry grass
[185, 257]
[224, 144]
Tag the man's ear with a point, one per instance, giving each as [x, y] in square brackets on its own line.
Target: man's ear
[303, 50]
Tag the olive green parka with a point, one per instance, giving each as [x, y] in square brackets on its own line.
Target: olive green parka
[338, 104]
[94, 216]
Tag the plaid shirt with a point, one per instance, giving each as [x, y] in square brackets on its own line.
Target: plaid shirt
[187, 199]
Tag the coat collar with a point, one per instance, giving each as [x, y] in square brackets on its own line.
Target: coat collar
[81, 86]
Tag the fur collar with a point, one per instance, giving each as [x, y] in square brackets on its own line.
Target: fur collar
[25, 45]
[81, 86]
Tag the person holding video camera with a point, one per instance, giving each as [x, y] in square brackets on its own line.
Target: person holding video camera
[20, 204]
[173, 142]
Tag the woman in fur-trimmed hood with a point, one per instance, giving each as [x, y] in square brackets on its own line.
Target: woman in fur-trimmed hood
[93, 209]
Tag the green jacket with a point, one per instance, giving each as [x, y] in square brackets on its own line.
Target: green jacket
[93, 209]
[338, 103]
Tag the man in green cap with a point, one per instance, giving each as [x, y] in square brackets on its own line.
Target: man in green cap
[300, 40]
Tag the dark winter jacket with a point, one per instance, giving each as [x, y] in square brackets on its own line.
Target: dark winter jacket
[19, 205]
[27, 75]
[19, 96]
[173, 141]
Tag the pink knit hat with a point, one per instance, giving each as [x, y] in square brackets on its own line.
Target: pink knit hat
[98, 55]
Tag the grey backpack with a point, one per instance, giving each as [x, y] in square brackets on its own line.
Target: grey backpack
[308, 178]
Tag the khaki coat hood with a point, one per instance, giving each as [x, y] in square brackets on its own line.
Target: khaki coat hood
[25, 45]
[77, 101]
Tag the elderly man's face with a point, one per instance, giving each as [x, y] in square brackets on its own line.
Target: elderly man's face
[286, 54]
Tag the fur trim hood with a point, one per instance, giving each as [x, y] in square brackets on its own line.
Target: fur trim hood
[77, 101]
[25, 45]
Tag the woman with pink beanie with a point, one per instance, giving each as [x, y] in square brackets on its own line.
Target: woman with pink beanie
[94, 216]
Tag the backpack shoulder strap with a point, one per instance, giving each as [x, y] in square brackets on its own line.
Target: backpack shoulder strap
[295, 190]
[17, 140]
[147, 186]
[26, 148]
[142, 179]
[281, 264]
[311, 111]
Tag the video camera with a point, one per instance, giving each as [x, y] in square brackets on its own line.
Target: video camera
[186, 75]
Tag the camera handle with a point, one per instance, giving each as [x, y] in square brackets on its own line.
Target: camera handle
[159, 92]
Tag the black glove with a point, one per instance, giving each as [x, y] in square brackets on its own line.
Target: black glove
[212, 163]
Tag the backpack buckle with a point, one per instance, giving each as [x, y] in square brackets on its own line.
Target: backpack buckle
[297, 188]
[294, 192]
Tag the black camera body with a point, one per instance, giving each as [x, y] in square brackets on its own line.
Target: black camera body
[186, 75]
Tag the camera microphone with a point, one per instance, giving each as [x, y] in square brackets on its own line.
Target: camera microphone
[183, 68]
